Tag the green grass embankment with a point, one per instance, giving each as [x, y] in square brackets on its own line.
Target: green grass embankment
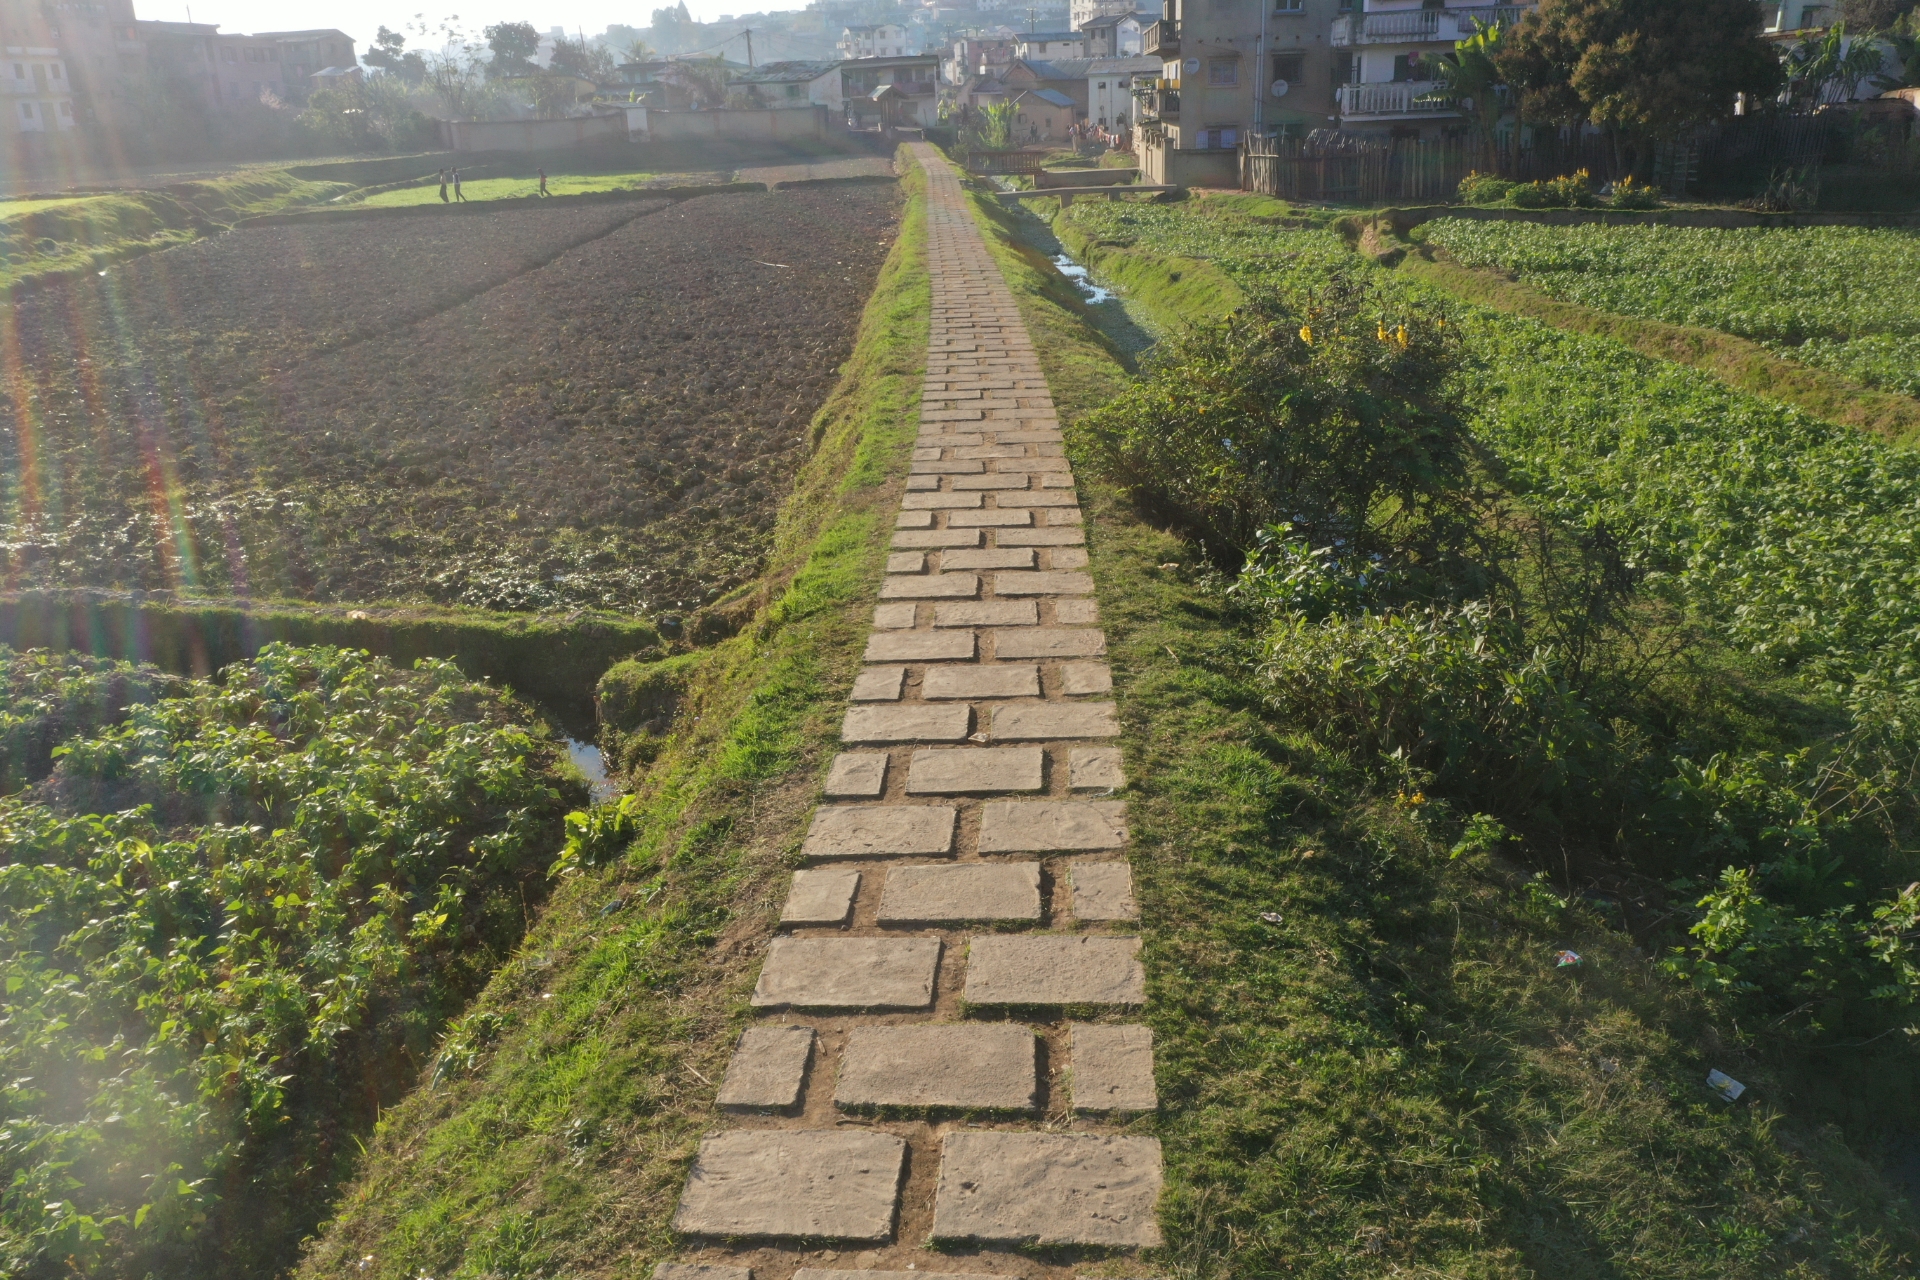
[1178, 291]
[552, 660]
[1369, 1063]
[47, 239]
[552, 1132]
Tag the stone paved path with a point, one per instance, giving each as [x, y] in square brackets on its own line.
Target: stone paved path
[912, 1075]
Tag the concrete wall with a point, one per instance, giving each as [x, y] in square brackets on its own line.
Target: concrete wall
[532, 135]
[761, 125]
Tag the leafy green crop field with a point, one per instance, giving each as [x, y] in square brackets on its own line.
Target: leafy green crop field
[234, 916]
[1726, 849]
[1842, 298]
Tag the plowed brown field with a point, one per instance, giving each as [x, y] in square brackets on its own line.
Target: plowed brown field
[541, 408]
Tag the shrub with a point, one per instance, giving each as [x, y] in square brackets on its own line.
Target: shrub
[1484, 188]
[1334, 413]
[1628, 194]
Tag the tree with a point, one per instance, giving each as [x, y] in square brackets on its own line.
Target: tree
[386, 52]
[1470, 76]
[1645, 69]
[579, 58]
[1875, 15]
[513, 45]
[1831, 67]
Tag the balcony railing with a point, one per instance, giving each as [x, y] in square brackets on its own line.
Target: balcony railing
[1162, 39]
[1157, 104]
[1401, 98]
[1420, 26]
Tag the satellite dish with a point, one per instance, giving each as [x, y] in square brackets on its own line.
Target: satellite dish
[1279, 88]
[1193, 66]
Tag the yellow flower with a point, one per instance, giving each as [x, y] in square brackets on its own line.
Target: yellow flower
[1383, 331]
[1400, 336]
[1306, 334]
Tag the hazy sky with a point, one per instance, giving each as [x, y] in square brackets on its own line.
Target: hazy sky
[361, 18]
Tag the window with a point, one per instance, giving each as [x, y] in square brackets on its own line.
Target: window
[1103, 84]
[1344, 70]
[1291, 67]
[793, 91]
[1219, 135]
[53, 69]
[1223, 72]
[1289, 6]
[229, 54]
[1406, 66]
[19, 72]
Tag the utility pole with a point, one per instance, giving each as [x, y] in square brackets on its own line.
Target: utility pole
[749, 46]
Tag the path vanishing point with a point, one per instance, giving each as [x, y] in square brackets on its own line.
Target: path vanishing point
[942, 1053]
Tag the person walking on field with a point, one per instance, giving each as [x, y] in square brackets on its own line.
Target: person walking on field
[443, 186]
[543, 182]
[456, 188]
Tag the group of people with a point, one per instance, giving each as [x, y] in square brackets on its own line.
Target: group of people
[453, 175]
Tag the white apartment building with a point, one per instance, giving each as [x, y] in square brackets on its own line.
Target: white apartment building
[38, 92]
[1383, 45]
[1049, 46]
[887, 40]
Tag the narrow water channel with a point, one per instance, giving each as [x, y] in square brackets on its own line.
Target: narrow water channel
[587, 758]
[1111, 313]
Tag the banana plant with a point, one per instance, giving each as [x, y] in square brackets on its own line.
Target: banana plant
[1469, 77]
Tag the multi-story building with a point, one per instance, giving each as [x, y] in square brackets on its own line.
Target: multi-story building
[1110, 103]
[1384, 45]
[62, 65]
[1233, 69]
[972, 56]
[1048, 45]
[1081, 12]
[1116, 35]
[885, 40]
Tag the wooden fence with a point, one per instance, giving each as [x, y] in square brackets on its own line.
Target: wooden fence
[1358, 171]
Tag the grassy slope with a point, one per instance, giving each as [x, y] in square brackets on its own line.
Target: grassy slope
[1743, 365]
[46, 239]
[1394, 1078]
[555, 1132]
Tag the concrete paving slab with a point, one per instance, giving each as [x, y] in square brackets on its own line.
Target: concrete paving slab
[938, 501]
[990, 518]
[987, 613]
[1056, 481]
[824, 1273]
[1042, 721]
[911, 539]
[912, 722]
[1080, 969]
[1102, 891]
[913, 520]
[832, 1184]
[1077, 678]
[1094, 769]
[769, 1065]
[1008, 680]
[988, 1066]
[951, 467]
[1068, 558]
[879, 684]
[849, 973]
[1076, 613]
[938, 586]
[820, 897]
[1048, 537]
[1041, 826]
[1112, 1067]
[961, 771]
[1041, 642]
[1042, 584]
[1001, 450]
[874, 830]
[893, 617]
[965, 891]
[1064, 516]
[857, 774]
[922, 646]
[700, 1271]
[908, 561]
[922, 482]
[1049, 1188]
[988, 558]
[992, 480]
[1049, 498]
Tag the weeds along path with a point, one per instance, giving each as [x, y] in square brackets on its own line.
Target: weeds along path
[941, 1054]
